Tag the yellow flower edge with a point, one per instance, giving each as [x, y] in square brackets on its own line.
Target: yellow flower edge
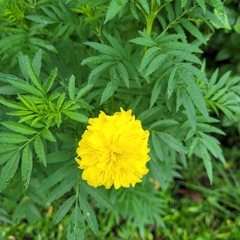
[113, 150]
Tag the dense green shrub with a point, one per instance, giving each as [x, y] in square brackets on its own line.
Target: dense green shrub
[64, 61]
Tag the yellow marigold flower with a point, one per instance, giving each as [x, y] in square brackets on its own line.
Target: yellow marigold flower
[113, 150]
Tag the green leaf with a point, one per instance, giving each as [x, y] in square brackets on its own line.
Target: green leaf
[76, 225]
[32, 74]
[19, 128]
[163, 123]
[196, 95]
[14, 105]
[98, 194]
[155, 92]
[57, 176]
[155, 64]
[79, 117]
[60, 100]
[71, 87]
[173, 142]
[170, 12]
[39, 149]
[89, 214]
[145, 5]
[9, 170]
[202, 4]
[123, 73]
[65, 186]
[147, 113]
[148, 56]
[64, 208]
[60, 156]
[156, 146]
[219, 7]
[207, 162]
[50, 80]
[114, 8]
[26, 87]
[171, 83]
[7, 137]
[37, 62]
[22, 63]
[192, 29]
[27, 164]
[46, 133]
[99, 69]
[111, 86]
[102, 48]
[145, 40]
[190, 110]
[84, 90]
[193, 146]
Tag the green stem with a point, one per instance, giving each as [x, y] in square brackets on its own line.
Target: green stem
[151, 17]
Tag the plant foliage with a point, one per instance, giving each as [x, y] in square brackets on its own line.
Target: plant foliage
[64, 61]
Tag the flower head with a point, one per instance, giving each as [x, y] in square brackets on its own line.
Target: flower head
[113, 150]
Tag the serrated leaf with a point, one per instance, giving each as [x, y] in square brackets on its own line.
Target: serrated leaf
[22, 63]
[193, 146]
[192, 29]
[89, 214]
[26, 165]
[123, 73]
[207, 162]
[170, 12]
[50, 80]
[219, 7]
[9, 170]
[102, 48]
[202, 5]
[145, 5]
[60, 100]
[173, 142]
[63, 210]
[14, 105]
[196, 95]
[111, 86]
[171, 83]
[12, 138]
[84, 90]
[26, 87]
[156, 146]
[39, 149]
[76, 225]
[148, 56]
[147, 113]
[60, 156]
[190, 110]
[99, 69]
[19, 128]
[57, 176]
[65, 186]
[161, 123]
[145, 40]
[79, 117]
[114, 8]
[155, 92]
[99, 195]
[155, 64]
[32, 74]
[183, 3]
[46, 133]
[71, 87]
[37, 62]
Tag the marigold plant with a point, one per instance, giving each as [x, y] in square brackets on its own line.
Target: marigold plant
[113, 150]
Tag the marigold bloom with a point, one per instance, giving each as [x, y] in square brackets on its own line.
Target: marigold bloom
[113, 150]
